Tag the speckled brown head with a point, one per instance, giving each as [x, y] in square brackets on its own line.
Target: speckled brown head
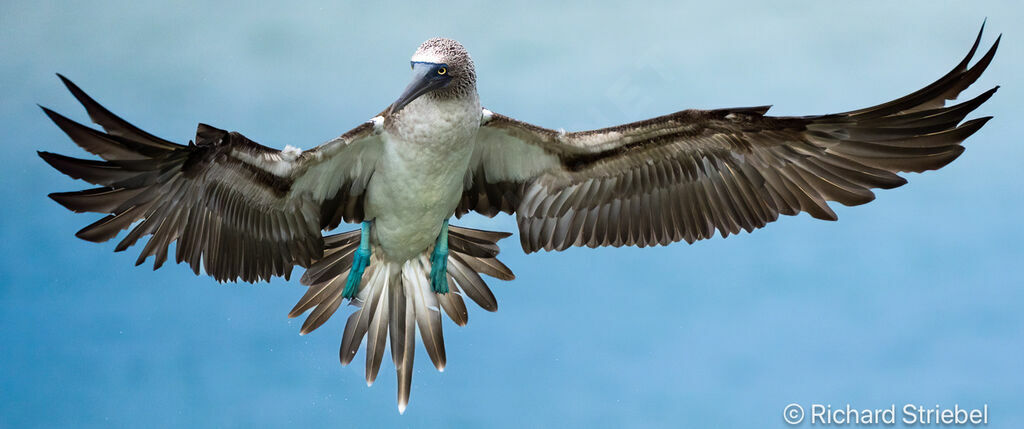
[442, 68]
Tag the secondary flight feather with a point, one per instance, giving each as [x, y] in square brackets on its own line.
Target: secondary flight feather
[238, 210]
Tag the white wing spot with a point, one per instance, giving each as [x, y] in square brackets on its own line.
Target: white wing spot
[378, 124]
[290, 153]
[485, 116]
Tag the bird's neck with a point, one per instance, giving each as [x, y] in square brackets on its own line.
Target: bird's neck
[434, 117]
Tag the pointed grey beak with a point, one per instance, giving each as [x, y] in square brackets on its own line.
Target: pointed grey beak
[424, 80]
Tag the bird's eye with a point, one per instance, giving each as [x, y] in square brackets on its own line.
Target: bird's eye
[442, 70]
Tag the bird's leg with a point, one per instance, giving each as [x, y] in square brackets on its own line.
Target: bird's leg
[439, 262]
[359, 263]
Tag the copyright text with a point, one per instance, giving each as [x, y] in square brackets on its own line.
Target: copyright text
[906, 414]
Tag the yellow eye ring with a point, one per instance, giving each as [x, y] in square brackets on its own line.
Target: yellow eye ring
[442, 70]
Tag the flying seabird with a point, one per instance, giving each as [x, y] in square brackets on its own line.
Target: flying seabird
[242, 211]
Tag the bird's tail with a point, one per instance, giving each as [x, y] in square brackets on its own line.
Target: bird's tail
[395, 298]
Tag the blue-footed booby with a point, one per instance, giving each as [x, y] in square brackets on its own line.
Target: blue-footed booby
[242, 211]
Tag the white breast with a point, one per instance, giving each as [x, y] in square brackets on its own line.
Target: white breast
[419, 179]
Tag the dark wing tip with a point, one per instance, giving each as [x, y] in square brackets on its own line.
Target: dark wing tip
[82, 97]
[61, 121]
[65, 80]
[984, 61]
[974, 47]
[977, 101]
[996, 43]
[50, 113]
[63, 199]
[112, 123]
[56, 196]
[76, 168]
[973, 126]
[51, 158]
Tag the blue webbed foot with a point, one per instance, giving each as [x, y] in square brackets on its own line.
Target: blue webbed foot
[439, 262]
[359, 263]
[439, 272]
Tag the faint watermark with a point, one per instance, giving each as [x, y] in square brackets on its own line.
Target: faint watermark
[630, 92]
[909, 414]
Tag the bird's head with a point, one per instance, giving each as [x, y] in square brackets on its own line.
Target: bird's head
[442, 68]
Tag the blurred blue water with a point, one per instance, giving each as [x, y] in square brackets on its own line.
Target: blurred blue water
[913, 298]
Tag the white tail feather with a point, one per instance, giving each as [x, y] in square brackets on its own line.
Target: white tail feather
[395, 298]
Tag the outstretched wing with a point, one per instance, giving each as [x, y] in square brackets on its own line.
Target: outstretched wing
[238, 209]
[684, 175]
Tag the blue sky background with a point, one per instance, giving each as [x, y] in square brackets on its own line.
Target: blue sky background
[913, 298]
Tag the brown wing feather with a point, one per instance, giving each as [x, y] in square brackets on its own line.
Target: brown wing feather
[685, 175]
[236, 208]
